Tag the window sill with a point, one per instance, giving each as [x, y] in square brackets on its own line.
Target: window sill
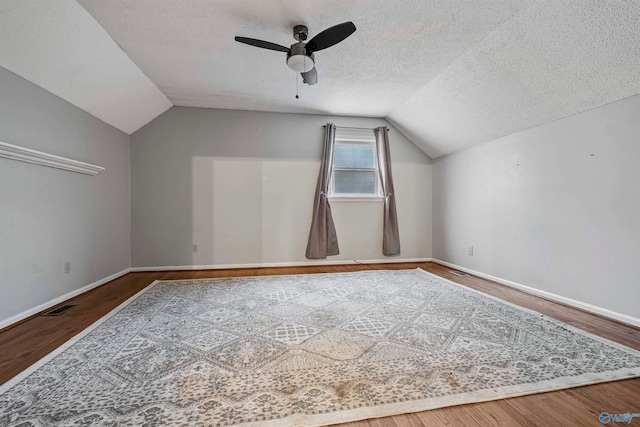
[354, 199]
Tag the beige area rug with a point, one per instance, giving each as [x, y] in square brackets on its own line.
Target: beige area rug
[304, 350]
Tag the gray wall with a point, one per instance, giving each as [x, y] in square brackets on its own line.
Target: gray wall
[555, 208]
[240, 185]
[49, 216]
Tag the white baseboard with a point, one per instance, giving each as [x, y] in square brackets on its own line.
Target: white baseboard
[35, 310]
[543, 294]
[548, 295]
[280, 264]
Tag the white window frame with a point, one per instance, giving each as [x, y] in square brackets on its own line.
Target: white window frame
[353, 140]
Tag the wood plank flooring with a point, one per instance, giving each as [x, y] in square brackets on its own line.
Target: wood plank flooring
[23, 344]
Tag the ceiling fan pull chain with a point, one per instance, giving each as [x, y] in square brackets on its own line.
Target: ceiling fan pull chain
[297, 78]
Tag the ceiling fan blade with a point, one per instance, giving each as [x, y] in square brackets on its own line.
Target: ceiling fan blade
[331, 36]
[310, 77]
[261, 43]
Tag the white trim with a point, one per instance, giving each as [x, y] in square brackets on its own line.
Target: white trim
[35, 310]
[30, 312]
[15, 152]
[355, 199]
[279, 264]
[376, 169]
[624, 318]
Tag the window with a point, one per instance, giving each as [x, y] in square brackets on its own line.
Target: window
[355, 164]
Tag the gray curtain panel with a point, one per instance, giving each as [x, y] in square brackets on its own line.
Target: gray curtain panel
[323, 240]
[391, 236]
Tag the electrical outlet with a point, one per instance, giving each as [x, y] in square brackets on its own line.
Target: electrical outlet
[470, 250]
[67, 267]
[194, 248]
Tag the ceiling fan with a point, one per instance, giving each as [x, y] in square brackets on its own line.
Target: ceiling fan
[300, 56]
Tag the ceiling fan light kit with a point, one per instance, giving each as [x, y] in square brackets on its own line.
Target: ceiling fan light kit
[300, 56]
[298, 59]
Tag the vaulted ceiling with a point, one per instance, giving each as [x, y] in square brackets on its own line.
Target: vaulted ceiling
[448, 74]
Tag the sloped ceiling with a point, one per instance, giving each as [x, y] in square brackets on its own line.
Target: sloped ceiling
[448, 74]
[60, 47]
[549, 62]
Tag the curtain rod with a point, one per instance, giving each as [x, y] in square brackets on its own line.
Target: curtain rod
[351, 127]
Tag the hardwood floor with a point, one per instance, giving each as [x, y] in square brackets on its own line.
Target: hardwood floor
[25, 343]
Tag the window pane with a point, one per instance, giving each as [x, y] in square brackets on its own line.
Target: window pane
[355, 182]
[353, 156]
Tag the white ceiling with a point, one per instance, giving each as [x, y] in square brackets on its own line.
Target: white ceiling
[60, 47]
[549, 62]
[448, 74]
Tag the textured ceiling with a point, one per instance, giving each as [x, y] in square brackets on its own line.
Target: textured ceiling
[57, 45]
[551, 61]
[448, 74]
[187, 48]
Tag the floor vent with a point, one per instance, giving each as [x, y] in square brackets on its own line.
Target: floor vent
[458, 273]
[58, 311]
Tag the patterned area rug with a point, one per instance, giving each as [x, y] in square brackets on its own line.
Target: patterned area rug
[304, 350]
